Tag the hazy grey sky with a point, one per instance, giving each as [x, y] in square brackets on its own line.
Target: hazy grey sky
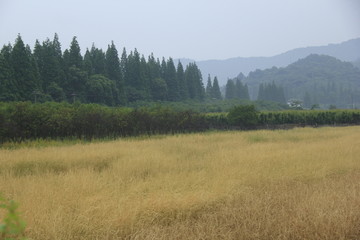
[197, 29]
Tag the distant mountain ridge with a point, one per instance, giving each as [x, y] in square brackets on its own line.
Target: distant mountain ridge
[346, 51]
[316, 79]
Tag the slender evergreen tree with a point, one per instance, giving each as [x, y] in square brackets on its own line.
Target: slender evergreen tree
[230, 91]
[216, 93]
[88, 66]
[194, 82]
[8, 91]
[123, 66]
[171, 81]
[180, 76]
[99, 60]
[48, 64]
[163, 69]
[153, 67]
[145, 77]
[113, 70]
[135, 85]
[75, 58]
[24, 71]
[209, 88]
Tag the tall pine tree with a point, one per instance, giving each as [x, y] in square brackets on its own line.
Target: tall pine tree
[216, 93]
[75, 58]
[171, 81]
[194, 82]
[230, 91]
[183, 88]
[24, 71]
[113, 70]
[209, 87]
[8, 91]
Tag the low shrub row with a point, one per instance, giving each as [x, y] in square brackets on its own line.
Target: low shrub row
[247, 117]
[24, 120]
[310, 117]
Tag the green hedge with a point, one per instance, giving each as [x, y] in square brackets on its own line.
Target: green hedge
[313, 117]
[24, 120]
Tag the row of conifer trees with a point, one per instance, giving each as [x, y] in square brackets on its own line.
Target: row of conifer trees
[47, 73]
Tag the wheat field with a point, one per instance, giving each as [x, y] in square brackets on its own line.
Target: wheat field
[284, 184]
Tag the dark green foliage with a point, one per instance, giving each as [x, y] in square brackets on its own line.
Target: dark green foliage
[56, 92]
[8, 91]
[241, 90]
[230, 91]
[49, 75]
[236, 89]
[21, 121]
[171, 81]
[209, 88]
[135, 78]
[271, 92]
[100, 89]
[24, 71]
[211, 105]
[215, 93]
[159, 89]
[75, 59]
[24, 120]
[194, 82]
[180, 78]
[244, 116]
[113, 71]
[49, 63]
[99, 63]
[76, 81]
[314, 117]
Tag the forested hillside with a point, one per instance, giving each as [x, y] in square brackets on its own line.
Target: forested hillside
[47, 73]
[346, 51]
[316, 79]
[356, 63]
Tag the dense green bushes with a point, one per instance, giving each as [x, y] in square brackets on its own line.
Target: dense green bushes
[23, 120]
[244, 116]
[313, 117]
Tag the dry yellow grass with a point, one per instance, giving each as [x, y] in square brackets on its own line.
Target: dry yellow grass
[296, 184]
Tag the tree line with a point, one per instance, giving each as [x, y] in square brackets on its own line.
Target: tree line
[235, 89]
[47, 73]
[271, 92]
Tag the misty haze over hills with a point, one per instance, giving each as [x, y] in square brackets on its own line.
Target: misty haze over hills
[316, 79]
[347, 51]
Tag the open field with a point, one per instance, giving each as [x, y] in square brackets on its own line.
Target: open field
[295, 184]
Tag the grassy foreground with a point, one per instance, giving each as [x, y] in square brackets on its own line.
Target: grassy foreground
[295, 184]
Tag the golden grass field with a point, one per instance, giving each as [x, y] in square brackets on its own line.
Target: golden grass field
[285, 184]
